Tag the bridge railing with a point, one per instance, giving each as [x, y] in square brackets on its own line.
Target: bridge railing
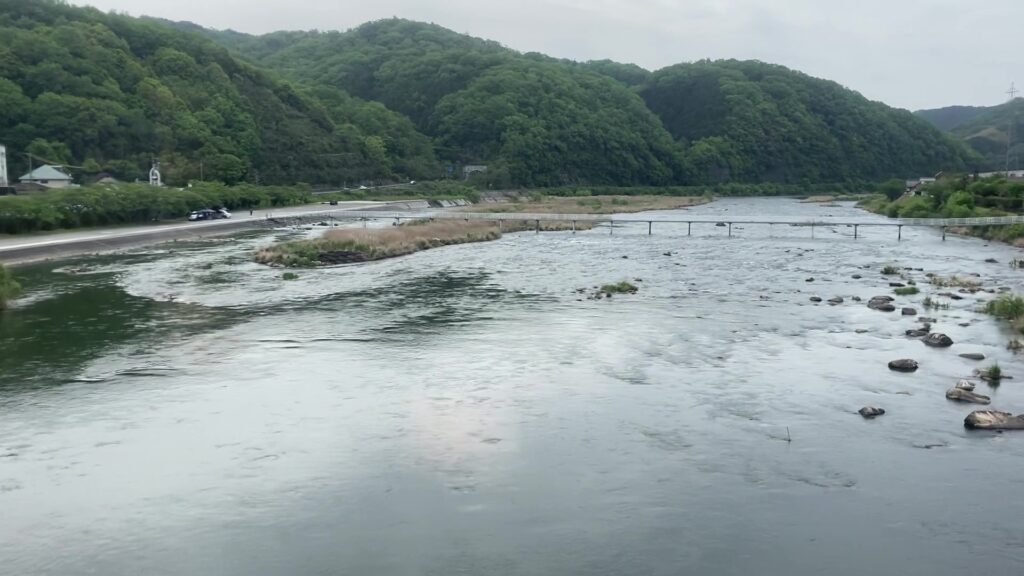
[641, 218]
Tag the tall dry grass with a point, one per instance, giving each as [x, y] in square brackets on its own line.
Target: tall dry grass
[357, 244]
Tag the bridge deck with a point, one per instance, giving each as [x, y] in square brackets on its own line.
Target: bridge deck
[662, 218]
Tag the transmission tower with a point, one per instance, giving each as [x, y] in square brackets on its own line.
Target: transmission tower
[1009, 133]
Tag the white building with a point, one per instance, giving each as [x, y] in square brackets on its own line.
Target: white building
[48, 176]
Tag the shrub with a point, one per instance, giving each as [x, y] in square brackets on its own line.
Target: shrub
[994, 372]
[619, 288]
[1007, 306]
[290, 276]
[906, 291]
[9, 289]
[890, 271]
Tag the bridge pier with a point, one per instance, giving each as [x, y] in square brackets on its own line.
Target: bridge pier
[573, 226]
[611, 227]
[899, 233]
[854, 231]
[688, 224]
[730, 229]
[943, 233]
[537, 224]
[649, 226]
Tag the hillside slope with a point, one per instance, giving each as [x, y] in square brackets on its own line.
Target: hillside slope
[732, 121]
[108, 92]
[752, 121]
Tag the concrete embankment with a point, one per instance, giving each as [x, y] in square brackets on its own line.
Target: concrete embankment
[36, 247]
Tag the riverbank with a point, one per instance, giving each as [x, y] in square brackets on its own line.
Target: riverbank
[23, 249]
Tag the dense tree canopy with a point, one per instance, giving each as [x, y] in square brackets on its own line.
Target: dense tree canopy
[987, 130]
[110, 92]
[752, 121]
[395, 99]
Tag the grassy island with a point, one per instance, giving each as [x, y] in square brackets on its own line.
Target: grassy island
[363, 245]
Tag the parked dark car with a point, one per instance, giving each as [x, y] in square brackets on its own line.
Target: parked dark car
[208, 214]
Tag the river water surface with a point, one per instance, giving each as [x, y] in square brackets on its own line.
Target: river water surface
[182, 410]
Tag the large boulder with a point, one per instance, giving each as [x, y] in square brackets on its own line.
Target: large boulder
[938, 340]
[815, 298]
[961, 395]
[973, 356]
[882, 303]
[903, 365]
[835, 301]
[870, 412]
[910, 312]
[994, 420]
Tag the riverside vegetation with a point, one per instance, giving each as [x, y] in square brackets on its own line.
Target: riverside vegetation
[362, 245]
[956, 197]
[9, 288]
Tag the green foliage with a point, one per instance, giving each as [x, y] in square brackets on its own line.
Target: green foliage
[132, 203]
[109, 92]
[9, 288]
[1006, 306]
[906, 291]
[619, 288]
[994, 372]
[750, 121]
[890, 270]
[289, 276]
[892, 189]
[987, 131]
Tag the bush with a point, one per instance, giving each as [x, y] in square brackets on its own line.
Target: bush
[907, 291]
[289, 276]
[890, 271]
[619, 288]
[1006, 306]
[9, 289]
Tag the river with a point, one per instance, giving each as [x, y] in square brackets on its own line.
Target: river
[182, 410]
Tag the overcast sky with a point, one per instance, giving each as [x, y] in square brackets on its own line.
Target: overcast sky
[908, 53]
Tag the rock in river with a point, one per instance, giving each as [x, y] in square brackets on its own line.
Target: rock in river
[910, 312]
[835, 301]
[973, 356]
[994, 420]
[870, 412]
[937, 340]
[904, 365]
[961, 395]
[916, 333]
[965, 385]
[815, 298]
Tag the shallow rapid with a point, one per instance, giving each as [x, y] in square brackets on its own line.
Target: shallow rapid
[465, 410]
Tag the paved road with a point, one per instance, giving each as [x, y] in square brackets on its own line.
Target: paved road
[34, 247]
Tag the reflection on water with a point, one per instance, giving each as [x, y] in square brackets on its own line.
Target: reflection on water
[467, 410]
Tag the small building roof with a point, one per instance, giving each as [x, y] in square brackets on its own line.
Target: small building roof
[45, 172]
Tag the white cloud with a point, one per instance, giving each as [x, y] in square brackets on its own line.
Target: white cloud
[912, 54]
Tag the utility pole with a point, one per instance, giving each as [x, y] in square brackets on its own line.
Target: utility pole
[1009, 133]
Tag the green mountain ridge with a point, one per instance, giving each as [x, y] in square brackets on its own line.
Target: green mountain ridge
[986, 130]
[398, 99]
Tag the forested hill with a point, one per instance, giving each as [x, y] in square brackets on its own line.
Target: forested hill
[950, 117]
[398, 99]
[986, 129]
[744, 121]
[752, 121]
[107, 93]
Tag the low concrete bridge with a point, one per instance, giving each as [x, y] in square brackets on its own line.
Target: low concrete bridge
[613, 220]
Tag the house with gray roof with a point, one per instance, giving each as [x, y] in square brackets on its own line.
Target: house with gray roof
[48, 176]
